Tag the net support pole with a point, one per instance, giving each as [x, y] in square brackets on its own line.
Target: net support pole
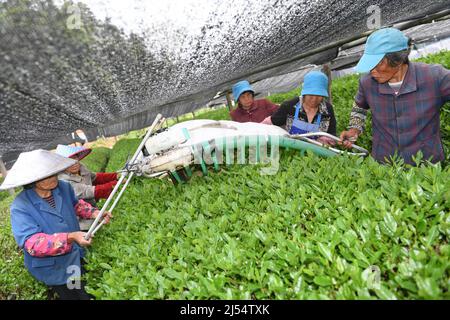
[229, 101]
[4, 172]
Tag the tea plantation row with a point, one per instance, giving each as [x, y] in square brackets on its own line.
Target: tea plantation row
[323, 229]
[338, 228]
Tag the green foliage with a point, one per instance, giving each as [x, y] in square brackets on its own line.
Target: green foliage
[206, 113]
[136, 134]
[3, 194]
[97, 160]
[122, 151]
[15, 281]
[442, 58]
[219, 114]
[279, 98]
[315, 230]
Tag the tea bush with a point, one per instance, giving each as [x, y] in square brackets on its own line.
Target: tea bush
[318, 229]
[338, 228]
[98, 159]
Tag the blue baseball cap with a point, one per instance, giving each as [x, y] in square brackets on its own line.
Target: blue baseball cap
[380, 43]
[241, 87]
[316, 84]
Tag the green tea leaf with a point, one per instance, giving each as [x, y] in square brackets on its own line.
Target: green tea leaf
[323, 281]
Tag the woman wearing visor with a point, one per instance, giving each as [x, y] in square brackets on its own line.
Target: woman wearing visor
[87, 185]
[44, 222]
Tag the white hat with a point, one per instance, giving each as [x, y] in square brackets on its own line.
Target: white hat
[34, 166]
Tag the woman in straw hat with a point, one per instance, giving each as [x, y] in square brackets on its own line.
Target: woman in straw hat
[87, 185]
[44, 222]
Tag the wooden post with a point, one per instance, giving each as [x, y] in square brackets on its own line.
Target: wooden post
[229, 101]
[327, 70]
[4, 172]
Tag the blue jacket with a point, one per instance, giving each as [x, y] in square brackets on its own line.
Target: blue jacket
[30, 214]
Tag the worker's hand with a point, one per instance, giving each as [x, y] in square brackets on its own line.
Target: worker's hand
[78, 237]
[327, 141]
[106, 215]
[267, 120]
[349, 137]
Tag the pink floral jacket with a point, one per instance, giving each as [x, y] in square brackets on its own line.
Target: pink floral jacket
[45, 245]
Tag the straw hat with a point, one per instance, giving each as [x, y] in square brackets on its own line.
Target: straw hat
[34, 166]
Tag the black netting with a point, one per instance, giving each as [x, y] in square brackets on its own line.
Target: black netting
[108, 78]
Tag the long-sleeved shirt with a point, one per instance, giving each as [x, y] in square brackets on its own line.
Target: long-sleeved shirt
[88, 185]
[82, 183]
[44, 245]
[407, 122]
[260, 110]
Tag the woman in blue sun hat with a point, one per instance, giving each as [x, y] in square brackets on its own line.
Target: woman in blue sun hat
[87, 185]
[310, 112]
[249, 109]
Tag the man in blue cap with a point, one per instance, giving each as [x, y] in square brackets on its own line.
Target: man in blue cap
[249, 109]
[405, 99]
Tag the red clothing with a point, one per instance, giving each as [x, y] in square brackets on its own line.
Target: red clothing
[104, 177]
[102, 191]
[104, 184]
[260, 110]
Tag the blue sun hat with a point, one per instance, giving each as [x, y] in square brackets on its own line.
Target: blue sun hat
[72, 152]
[241, 87]
[380, 43]
[315, 84]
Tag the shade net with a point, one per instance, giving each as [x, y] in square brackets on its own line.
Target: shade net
[109, 67]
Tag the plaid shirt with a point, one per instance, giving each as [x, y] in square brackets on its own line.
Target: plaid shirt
[408, 122]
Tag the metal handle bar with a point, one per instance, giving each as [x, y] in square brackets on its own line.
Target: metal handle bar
[95, 225]
[306, 138]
